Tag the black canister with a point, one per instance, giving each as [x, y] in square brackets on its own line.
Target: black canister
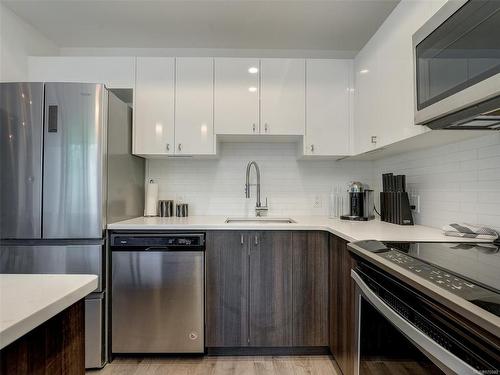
[166, 208]
[181, 210]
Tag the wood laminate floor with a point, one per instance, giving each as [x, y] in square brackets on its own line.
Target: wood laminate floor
[211, 365]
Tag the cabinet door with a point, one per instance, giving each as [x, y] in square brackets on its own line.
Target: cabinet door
[194, 93]
[310, 289]
[328, 107]
[366, 102]
[283, 96]
[226, 289]
[154, 106]
[236, 96]
[342, 305]
[271, 289]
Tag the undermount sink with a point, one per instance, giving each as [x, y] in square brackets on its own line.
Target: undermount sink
[260, 220]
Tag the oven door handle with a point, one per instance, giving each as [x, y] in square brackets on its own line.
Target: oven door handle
[444, 357]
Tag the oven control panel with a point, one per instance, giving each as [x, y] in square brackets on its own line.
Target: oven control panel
[439, 277]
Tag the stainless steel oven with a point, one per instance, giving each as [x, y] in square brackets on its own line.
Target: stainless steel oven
[400, 331]
[457, 67]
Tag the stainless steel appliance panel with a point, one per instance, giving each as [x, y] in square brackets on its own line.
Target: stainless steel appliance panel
[74, 182]
[457, 66]
[157, 303]
[94, 331]
[50, 259]
[126, 175]
[21, 128]
[393, 332]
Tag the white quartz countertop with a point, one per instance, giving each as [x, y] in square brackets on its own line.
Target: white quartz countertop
[26, 301]
[348, 230]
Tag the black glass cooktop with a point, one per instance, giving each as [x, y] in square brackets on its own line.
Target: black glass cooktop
[469, 270]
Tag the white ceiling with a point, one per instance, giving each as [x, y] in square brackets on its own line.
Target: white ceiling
[309, 25]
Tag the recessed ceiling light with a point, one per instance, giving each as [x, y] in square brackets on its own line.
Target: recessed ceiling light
[252, 89]
[364, 71]
[253, 70]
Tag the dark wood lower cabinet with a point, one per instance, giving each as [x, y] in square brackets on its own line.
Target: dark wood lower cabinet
[280, 289]
[267, 289]
[271, 292]
[342, 306]
[57, 347]
[310, 289]
[227, 265]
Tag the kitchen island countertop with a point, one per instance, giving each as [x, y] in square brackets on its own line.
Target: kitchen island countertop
[27, 301]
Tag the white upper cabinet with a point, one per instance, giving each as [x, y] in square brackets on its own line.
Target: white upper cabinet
[282, 96]
[114, 72]
[194, 101]
[154, 106]
[366, 101]
[328, 107]
[236, 96]
[384, 97]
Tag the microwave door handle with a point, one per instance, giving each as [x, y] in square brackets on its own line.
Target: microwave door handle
[444, 357]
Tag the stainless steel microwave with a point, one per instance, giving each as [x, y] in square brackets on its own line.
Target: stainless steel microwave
[457, 67]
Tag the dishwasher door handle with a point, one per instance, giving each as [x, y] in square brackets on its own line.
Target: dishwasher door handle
[157, 248]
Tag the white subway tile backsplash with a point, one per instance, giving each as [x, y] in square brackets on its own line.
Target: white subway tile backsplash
[216, 187]
[455, 182]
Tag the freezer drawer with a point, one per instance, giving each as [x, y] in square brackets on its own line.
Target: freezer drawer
[157, 301]
[21, 128]
[66, 259]
[95, 355]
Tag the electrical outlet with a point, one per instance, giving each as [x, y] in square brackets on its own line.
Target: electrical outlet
[415, 202]
[317, 201]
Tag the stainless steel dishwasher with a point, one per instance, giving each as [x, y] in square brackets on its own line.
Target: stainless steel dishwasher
[157, 290]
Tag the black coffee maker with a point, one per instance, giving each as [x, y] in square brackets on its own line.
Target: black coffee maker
[360, 203]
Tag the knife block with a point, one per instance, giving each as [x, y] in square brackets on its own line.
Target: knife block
[395, 208]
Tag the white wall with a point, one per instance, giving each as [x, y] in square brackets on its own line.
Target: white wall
[216, 187]
[456, 182]
[18, 40]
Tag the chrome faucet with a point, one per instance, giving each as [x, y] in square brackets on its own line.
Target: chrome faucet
[259, 208]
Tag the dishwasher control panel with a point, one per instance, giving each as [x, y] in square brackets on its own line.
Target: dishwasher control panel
[170, 240]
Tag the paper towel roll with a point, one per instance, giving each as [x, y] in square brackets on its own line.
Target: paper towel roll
[151, 200]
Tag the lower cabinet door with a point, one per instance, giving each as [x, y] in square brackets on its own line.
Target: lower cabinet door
[310, 289]
[271, 299]
[342, 306]
[226, 259]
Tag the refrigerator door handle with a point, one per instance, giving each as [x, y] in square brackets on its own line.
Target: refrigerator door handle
[52, 128]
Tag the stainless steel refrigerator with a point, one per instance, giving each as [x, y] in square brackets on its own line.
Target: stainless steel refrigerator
[66, 171]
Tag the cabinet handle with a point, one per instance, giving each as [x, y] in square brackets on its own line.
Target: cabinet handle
[312, 148]
[168, 146]
[241, 239]
[253, 128]
[179, 147]
[256, 240]
[374, 139]
[265, 127]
